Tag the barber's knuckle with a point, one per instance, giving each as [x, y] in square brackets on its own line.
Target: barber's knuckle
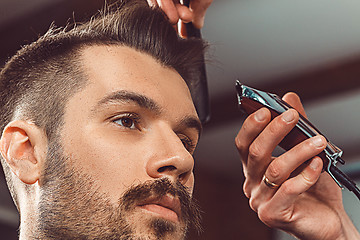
[247, 189]
[267, 216]
[255, 151]
[287, 188]
[239, 143]
[274, 170]
[275, 127]
[254, 204]
[271, 218]
[247, 194]
[308, 179]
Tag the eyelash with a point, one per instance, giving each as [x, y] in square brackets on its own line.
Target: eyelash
[134, 118]
[188, 143]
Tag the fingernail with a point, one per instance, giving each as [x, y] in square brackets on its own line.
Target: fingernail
[318, 141]
[288, 116]
[260, 115]
[314, 164]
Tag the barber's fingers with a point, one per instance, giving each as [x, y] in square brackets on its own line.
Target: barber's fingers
[253, 125]
[294, 100]
[176, 11]
[257, 121]
[195, 13]
[280, 169]
[256, 152]
[199, 8]
[282, 207]
[184, 13]
[152, 3]
[261, 149]
[169, 8]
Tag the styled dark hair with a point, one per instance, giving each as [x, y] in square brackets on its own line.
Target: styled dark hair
[37, 81]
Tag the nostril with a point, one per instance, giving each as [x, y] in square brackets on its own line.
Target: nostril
[183, 176]
[166, 168]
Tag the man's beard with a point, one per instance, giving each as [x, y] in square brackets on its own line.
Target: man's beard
[71, 207]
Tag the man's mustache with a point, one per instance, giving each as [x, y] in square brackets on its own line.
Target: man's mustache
[156, 189]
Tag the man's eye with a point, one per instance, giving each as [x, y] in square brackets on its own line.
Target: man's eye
[188, 143]
[127, 121]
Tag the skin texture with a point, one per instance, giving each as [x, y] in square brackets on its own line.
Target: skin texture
[157, 139]
[118, 149]
[308, 203]
[72, 207]
[127, 143]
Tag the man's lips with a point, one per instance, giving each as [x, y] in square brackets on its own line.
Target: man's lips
[166, 207]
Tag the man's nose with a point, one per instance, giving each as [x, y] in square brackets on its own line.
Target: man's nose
[169, 158]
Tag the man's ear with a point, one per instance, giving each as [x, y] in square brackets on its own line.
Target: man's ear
[23, 145]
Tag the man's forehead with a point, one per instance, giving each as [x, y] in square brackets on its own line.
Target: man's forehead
[114, 68]
[94, 54]
[96, 57]
[124, 61]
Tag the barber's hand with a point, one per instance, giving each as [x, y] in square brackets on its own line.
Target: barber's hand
[176, 11]
[302, 201]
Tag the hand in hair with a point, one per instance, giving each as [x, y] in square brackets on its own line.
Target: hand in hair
[177, 11]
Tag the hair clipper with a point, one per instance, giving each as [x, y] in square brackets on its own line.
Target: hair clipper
[250, 100]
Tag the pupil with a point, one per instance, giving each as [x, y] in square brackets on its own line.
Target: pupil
[127, 122]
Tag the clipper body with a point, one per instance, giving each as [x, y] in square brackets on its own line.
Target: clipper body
[251, 99]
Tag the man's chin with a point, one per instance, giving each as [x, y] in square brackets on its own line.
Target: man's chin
[154, 226]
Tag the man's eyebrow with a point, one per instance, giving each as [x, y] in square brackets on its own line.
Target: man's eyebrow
[146, 103]
[128, 96]
[192, 122]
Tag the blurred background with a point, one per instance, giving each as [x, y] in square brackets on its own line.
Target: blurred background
[310, 47]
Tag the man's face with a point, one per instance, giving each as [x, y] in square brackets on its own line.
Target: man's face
[134, 122]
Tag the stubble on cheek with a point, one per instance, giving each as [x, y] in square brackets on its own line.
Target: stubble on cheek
[73, 207]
